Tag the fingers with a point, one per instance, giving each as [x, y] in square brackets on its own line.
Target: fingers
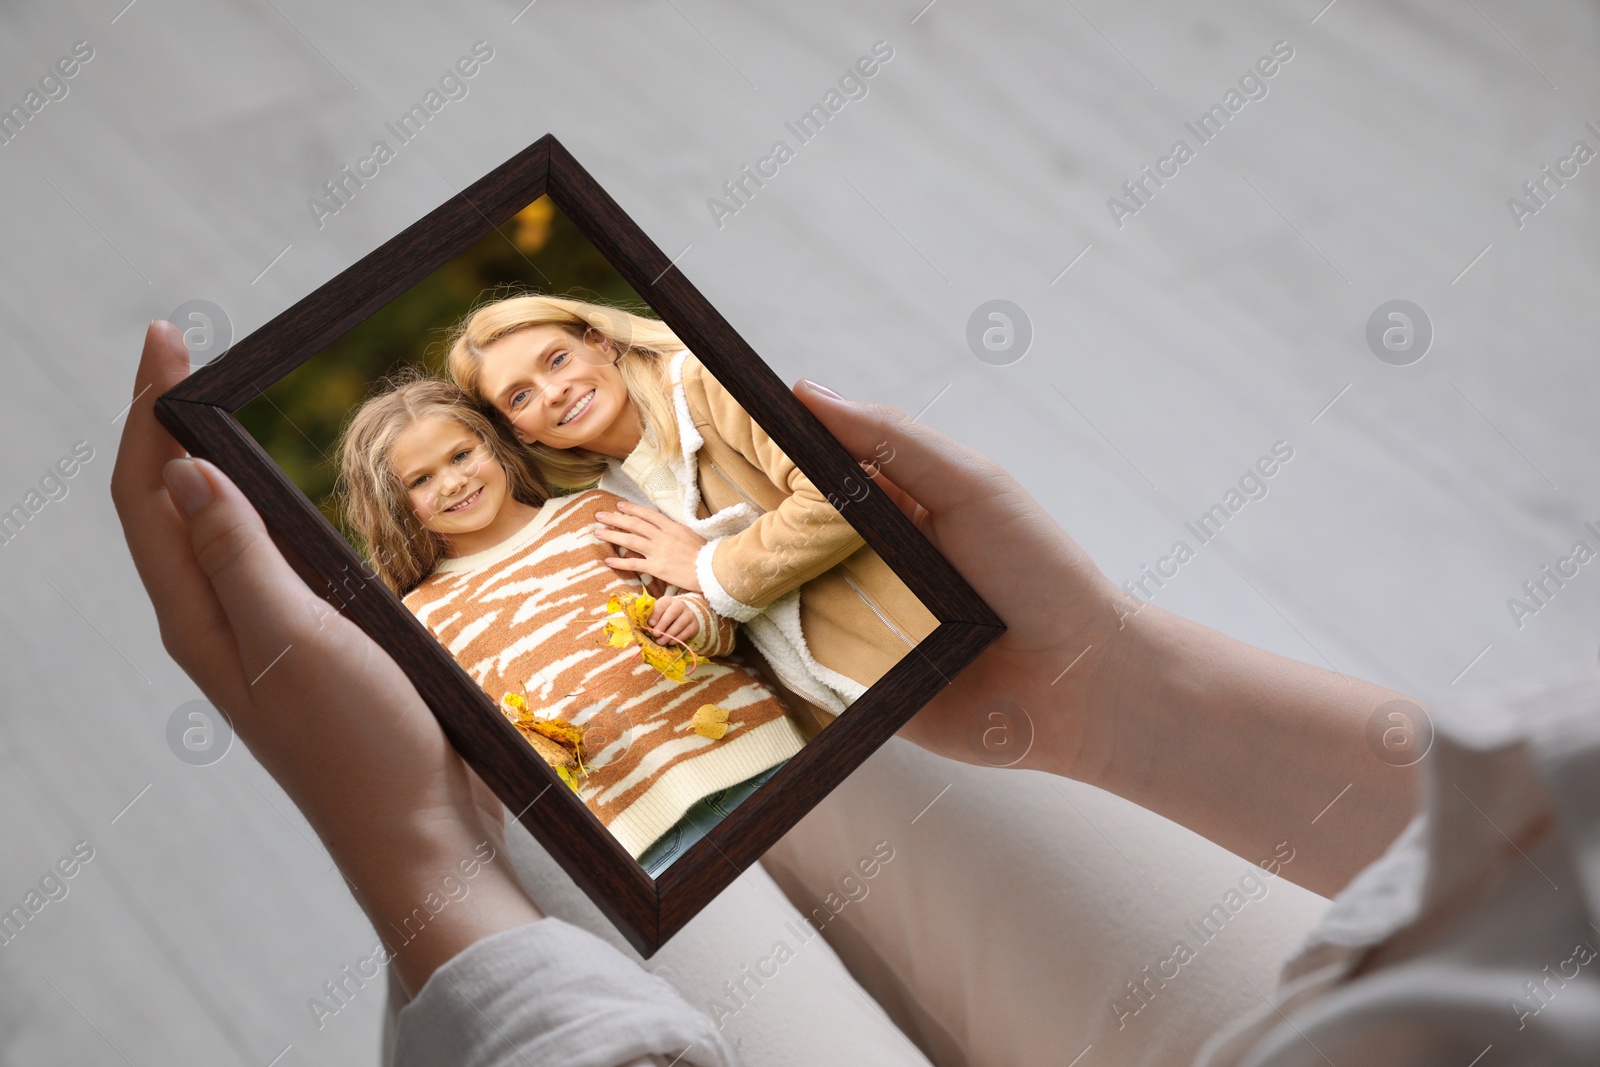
[631, 517]
[680, 630]
[267, 604]
[636, 564]
[622, 539]
[940, 472]
[653, 525]
[145, 445]
[673, 619]
[194, 628]
[633, 530]
[149, 524]
[902, 499]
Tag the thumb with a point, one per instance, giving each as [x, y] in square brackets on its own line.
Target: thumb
[939, 472]
[266, 603]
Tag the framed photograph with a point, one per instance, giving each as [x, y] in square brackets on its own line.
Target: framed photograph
[480, 443]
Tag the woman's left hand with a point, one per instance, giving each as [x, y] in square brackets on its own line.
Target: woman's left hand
[324, 709]
[659, 546]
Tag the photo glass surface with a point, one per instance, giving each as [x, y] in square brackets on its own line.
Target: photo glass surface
[662, 701]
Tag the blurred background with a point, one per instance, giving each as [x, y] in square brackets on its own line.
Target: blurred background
[1148, 355]
[298, 418]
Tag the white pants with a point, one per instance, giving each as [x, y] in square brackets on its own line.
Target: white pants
[970, 917]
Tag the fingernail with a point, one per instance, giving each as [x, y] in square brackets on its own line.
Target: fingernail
[823, 389]
[187, 484]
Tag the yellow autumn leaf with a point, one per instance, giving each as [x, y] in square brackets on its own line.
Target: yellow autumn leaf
[710, 721]
[559, 742]
[642, 606]
[560, 731]
[552, 753]
[630, 615]
[670, 662]
[619, 634]
[636, 606]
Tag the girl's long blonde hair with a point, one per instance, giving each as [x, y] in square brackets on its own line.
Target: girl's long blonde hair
[645, 344]
[368, 490]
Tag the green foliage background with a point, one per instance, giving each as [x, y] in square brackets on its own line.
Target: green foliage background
[540, 249]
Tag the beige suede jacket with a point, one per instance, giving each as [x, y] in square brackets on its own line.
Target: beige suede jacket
[858, 617]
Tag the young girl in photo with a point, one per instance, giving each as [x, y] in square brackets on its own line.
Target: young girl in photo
[601, 396]
[617, 682]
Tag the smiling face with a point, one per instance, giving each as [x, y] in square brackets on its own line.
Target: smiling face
[559, 391]
[452, 480]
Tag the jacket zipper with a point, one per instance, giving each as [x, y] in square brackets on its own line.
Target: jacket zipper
[883, 617]
[728, 482]
[904, 637]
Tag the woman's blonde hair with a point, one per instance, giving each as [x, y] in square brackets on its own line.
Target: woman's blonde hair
[375, 505]
[644, 344]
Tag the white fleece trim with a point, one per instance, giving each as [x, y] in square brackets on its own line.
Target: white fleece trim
[777, 634]
[724, 604]
[774, 630]
[689, 437]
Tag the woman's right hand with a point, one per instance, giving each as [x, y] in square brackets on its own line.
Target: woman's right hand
[1241, 745]
[1060, 611]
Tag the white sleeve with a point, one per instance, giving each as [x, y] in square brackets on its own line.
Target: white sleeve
[1486, 906]
[721, 601]
[549, 992]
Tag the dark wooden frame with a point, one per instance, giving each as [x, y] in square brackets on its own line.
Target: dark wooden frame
[199, 413]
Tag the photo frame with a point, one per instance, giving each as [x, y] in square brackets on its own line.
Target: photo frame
[200, 412]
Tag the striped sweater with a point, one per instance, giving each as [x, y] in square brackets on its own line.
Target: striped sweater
[528, 616]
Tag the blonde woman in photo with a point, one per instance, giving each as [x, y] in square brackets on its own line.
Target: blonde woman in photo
[602, 396]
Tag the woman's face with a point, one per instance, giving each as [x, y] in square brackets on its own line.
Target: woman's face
[555, 389]
[452, 480]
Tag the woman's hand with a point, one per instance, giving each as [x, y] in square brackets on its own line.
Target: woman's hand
[329, 715]
[660, 546]
[1241, 745]
[674, 619]
[1049, 593]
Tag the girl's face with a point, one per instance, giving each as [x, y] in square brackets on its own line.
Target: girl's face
[559, 391]
[454, 483]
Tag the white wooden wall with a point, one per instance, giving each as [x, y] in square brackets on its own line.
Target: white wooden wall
[1226, 315]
